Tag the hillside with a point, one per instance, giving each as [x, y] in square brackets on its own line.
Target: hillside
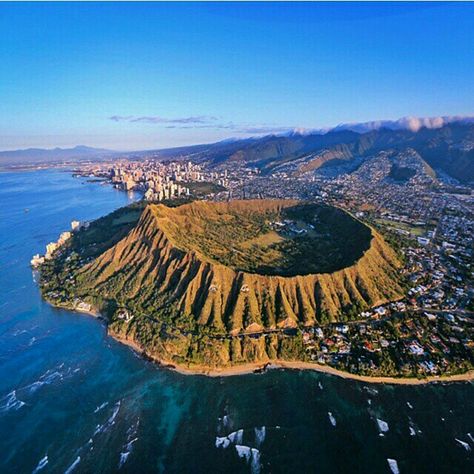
[170, 288]
[449, 148]
[399, 167]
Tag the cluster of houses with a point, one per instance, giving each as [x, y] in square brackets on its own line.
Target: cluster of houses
[422, 343]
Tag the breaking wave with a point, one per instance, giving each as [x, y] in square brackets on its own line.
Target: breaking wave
[73, 465]
[41, 464]
[260, 434]
[392, 463]
[131, 438]
[382, 425]
[100, 407]
[10, 402]
[235, 437]
[463, 444]
[222, 442]
[251, 455]
[110, 422]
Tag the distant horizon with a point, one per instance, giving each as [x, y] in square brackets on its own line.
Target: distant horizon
[403, 123]
[165, 75]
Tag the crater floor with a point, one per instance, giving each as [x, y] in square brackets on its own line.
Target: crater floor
[283, 238]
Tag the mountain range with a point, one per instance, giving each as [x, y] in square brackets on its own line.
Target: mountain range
[43, 155]
[448, 148]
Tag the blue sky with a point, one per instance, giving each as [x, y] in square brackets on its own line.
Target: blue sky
[136, 76]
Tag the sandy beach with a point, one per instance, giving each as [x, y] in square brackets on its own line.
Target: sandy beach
[261, 367]
[246, 369]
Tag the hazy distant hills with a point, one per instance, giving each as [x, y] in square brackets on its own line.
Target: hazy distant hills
[42, 155]
[449, 148]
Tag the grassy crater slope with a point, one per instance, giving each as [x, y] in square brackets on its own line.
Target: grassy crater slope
[198, 279]
[267, 237]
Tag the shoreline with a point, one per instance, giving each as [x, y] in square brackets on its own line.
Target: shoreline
[93, 312]
[262, 367]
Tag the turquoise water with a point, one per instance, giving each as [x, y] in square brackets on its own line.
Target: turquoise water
[89, 404]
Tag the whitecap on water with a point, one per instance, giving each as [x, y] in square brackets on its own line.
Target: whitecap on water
[41, 464]
[114, 414]
[255, 464]
[10, 402]
[73, 465]
[260, 434]
[125, 454]
[49, 377]
[244, 451]
[222, 442]
[100, 407]
[332, 419]
[392, 463]
[123, 458]
[225, 420]
[463, 444]
[251, 455]
[414, 430]
[320, 385]
[372, 391]
[34, 386]
[98, 429]
[236, 436]
[131, 438]
[109, 422]
[382, 425]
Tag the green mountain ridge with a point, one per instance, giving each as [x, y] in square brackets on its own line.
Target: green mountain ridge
[449, 148]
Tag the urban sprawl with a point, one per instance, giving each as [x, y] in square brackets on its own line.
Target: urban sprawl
[431, 221]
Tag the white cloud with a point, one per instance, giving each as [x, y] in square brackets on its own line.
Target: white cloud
[248, 129]
[405, 123]
[197, 119]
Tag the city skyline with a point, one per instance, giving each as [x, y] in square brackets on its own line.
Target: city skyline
[166, 75]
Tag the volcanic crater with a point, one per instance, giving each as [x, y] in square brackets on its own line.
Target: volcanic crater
[210, 286]
[245, 265]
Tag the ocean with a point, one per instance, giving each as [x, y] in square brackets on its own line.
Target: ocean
[74, 400]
